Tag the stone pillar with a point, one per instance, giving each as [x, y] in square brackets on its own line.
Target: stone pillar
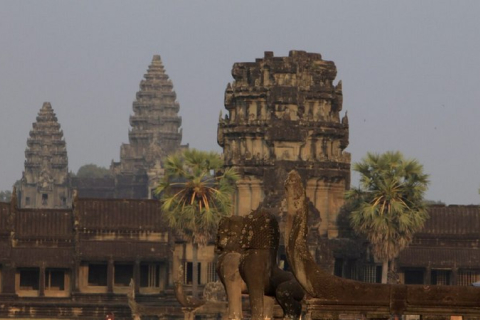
[110, 275]
[256, 194]
[76, 276]
[428, 275]
[336, 201]
[136, 275]
[454, 276]
[164, 271]
[322, 195]
[171, 258]
[8, 280]
[41, 287]
[243, 198]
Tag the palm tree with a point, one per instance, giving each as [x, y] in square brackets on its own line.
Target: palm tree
[388, 206]
[196, 193]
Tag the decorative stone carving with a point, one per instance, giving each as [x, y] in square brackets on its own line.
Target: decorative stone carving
[294, 122]
[330, 296]
[248, 248]
[155, 131]
[45, 181]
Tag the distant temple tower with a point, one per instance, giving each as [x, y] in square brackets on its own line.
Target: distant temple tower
[155, 133]
[283, 114]
[45, 181]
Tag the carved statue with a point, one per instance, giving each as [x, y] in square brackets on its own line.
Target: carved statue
[332, 295]
[248, 250]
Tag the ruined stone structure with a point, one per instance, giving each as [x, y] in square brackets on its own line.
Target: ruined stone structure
[45, 182]
[155, 133]
[284, 113]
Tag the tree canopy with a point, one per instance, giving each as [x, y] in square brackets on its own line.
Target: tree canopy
[5, 196]
[92, 171]
[196, 193]
[388, 206]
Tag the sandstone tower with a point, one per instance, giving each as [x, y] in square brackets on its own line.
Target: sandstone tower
[155, 133]
[284, 113]
[45, 181]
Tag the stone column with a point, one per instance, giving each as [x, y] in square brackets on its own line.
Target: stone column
[322, 204]
[136, 275]
[110, 275]
[41, 287]
[428, 275]
[454, 276]
[8, 280]
[243, 198]
[164, 271]
[256, 194]
[76, 276]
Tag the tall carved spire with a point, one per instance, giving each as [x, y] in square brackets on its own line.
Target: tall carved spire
[155, 134]
[155, 123]
[45, 179]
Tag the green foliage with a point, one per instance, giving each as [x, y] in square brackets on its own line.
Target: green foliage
[92, 171]
[5, 196]
[388, 207]
[196, 193]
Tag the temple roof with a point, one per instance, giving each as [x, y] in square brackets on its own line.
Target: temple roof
[46, 149]
[155, 123]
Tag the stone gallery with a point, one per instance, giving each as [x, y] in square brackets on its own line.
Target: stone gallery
[69, 246]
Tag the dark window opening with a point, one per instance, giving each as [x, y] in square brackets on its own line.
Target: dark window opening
[123, 274]
[338, 267]
[27, 201]
[189, 273]
[63, 200]
[44, 199]
[29, 278]
[97, 274]
[212, 272]
[414, 277]
[54, 279]
[150, 275]
[441, 277]
[350, 270]
[379, 274]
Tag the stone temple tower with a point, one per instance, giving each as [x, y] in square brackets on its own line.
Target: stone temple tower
[284, 114]
[155, 133]
[45, 181]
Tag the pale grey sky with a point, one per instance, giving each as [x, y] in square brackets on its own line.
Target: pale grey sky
[410, 72]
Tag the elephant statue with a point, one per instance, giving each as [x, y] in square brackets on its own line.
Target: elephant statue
[247, 248]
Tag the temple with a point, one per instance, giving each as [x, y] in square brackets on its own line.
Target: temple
[71, 255]
[284, 113]
[155, 133]
[45, 182]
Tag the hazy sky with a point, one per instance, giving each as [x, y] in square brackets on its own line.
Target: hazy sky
[410, 72]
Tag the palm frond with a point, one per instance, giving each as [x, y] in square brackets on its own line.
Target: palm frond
[388, 206]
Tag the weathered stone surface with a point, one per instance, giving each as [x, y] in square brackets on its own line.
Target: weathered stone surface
[248, 246]
[284, 113]
[45, 181]
[333, 295]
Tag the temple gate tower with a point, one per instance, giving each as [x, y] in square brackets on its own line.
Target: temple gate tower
[45, 181]
[284, 113]
[155, 133]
